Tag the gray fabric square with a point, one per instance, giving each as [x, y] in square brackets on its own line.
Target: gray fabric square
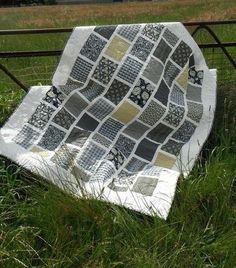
[76, 104]
[116, 91]
[129, 31]
[92, 90]
[159, 133]
[171, 38]
[146, 149]
[26, 137]
[125, 145]
[145, 185]
[100, 109]
[162, 51]
[162, 93]
[153, 31]
[129, 70]
[174, 115]
[135, 165]
[51, 138]
[105, 70]
[177, 95]
[141, 48]
[54, 96]
[87, 122]
[93, 47]
[63, 119]
[195, 111]
[81, 69]
[170, 73]
[136, 129]
[101, 139]
[78, 137]
[181, 54]
[116, 157]
[104, 173]
[194, 93]
[110, 128]
[90, 156]
[70, 86]
[41, 116]
[105, 31]
[195, 77]
[185, 132]
[153, 70]
[172, 147]
[152, 113]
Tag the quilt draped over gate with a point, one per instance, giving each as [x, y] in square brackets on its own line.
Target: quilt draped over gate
[128, 111]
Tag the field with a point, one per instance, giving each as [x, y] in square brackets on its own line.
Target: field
[40, 226]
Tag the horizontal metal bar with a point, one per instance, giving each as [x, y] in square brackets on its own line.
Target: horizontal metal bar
[45, 53]
[67, 30]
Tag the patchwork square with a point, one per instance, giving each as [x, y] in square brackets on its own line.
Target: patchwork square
[125, 145]
[81, 70]
[177, 95]
[110, 128]
[52, 138]
[130, 70]
[153, 71]
[90, 156]
[162, 51]
[116, 91]
[78, 137]
[141, 92]
[170, 73]
[185, 132]
[105, 31]
[92, 90]
[41, 116]
[172, 147]
[117, 48]
[101, 139]
[70, 86]
[104, 172]
[152, 113]
[136, 130]
[125, 113]
[170, 37]
[181, 54]
[162, 93]
[87, 122]
[174, 115]
[145, 185]
[163, 160]
[195, 77]
[105, 70]
[129, 31]
[195, 111]
[135, 165]
[116, 157]
[146, 149]
[63, 119]
[141, 48]
[100, 109]
[153, 31]
[194, 93]
[182, 80]
[159, 133]
[76, 104]
[151, 170]
[93, 47]
[26, 137]
[65, 156]
[54, 96]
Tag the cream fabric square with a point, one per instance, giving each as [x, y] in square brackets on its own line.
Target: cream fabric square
[117, 48]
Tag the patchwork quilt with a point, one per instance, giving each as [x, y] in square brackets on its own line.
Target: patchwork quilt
[128, 111]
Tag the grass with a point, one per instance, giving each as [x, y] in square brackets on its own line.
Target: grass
[40, 226]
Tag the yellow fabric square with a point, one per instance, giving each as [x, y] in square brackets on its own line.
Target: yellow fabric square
[183, 78]
[125, 113]
[165, 161]
[117, 48]
[40, 152]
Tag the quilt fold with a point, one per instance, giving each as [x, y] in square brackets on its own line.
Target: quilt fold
[128, 111]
